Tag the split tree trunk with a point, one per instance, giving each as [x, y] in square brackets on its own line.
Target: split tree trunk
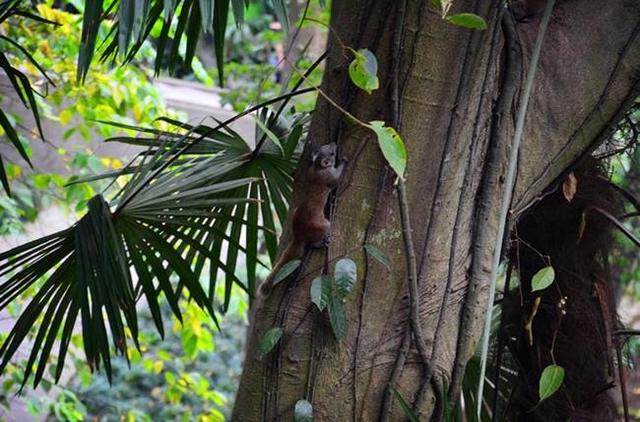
[458, 95]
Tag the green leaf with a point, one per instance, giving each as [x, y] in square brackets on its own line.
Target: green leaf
[321, 291]
[408, 411]
[345, 275]
[550, 380]
[391, 145]
[272, 136]
[337, 317]
[468, 20]
[90, 25]
[303, 411]
[269, 340]
[543, 279]
[220, 16]
[286, 270]
[378, 255]
[363, 70]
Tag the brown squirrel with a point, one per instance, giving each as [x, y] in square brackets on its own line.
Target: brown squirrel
[309, 224]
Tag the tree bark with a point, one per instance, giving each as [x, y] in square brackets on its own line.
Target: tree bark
[458, 94]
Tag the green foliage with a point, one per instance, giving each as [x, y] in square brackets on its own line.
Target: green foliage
[363, 70]
[392, 146]
[162, 381]
[345, 277]
[286, 270]
[543, 279]
[337, 317]
[468, 20]
[269, 340]
[328, 293]
[406, 409]
[550, 381]
[162, 231]
[321, 291]
[12, 13]
[118, 94]
[378, 255]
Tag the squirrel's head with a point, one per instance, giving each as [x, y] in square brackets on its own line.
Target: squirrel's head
[325, 156]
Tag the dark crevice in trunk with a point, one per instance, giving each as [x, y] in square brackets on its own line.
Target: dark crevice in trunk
[574, 321]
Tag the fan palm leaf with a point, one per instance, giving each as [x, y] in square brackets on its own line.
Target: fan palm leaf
[196, 202]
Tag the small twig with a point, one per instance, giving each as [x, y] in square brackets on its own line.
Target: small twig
[334, 33]
[326, 97]
[412, 279]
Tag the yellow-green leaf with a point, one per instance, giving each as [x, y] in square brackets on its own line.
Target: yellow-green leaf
[391, 145]
[543, 279]
[468, 20]
[363, 70]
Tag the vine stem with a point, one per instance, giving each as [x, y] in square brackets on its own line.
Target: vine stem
[412, 279]
[326, 97]
[506, 199]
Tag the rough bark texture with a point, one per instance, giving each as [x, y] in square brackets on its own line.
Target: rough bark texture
[458, 97]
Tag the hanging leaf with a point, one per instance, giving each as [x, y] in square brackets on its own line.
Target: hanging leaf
[337, 317]
[345, 276]
[550, 380]
[363, 70]
[468, 20]
[269, 340]
[303, 411]
[321, 291]
[286, 270]
[391, 145]
[543, 279]
[569, 187]
[378, 255]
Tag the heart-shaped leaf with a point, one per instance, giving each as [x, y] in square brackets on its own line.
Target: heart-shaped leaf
[269, 340]
[391, 145]
[543, 279]
[363, 70]
[550, 380]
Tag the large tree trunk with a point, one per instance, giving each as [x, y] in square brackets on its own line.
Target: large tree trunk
[458, 93]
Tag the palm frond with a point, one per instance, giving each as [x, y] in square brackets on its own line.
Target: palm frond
[135, 20]
[14, 9]
[196, 203]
